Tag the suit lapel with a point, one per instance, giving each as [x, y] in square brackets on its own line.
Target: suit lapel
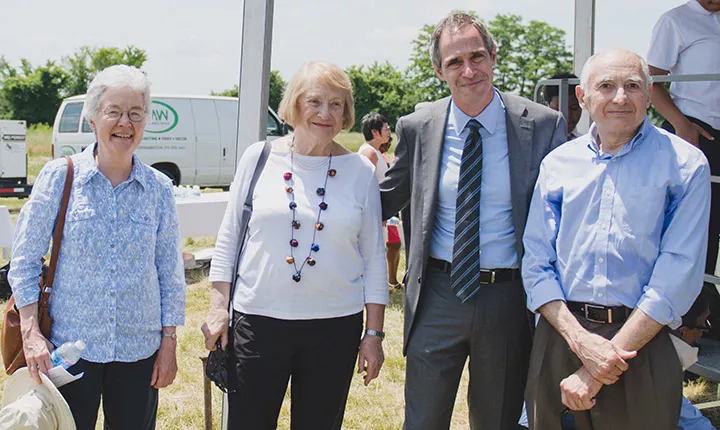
[431, 140]
[520, 140]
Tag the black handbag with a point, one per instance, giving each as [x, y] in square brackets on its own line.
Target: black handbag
[216, 366]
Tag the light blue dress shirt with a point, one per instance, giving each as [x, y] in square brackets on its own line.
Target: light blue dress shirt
[120, 274]
[629, 229]
[497, 233]
[691, 418]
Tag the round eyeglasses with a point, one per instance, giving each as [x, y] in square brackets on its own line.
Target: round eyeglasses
[134, 114]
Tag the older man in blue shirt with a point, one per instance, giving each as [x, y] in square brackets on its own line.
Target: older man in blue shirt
[616, 235]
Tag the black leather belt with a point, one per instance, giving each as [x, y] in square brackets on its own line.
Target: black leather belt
[600, 314]
[491, 276]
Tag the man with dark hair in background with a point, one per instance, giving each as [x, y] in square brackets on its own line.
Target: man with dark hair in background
[550, 94]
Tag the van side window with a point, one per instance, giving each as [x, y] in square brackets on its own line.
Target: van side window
[86, 126]
[273, 128]
[70, 120]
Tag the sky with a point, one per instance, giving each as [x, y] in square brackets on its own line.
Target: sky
[193, 46]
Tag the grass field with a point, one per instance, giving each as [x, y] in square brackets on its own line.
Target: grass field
[379, 406]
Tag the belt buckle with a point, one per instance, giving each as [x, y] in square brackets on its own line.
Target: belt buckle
[492, 277]
[588, 307]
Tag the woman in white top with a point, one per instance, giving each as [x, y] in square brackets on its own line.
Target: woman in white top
[313, 259]
[686, 40]
[376, 130]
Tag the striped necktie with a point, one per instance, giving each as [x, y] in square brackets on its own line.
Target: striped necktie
[465, 273]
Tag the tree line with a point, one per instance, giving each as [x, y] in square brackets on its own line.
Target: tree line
[526, 53]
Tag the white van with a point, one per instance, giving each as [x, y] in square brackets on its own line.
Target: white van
[190, 139]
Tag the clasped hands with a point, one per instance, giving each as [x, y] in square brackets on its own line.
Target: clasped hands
[603, 363]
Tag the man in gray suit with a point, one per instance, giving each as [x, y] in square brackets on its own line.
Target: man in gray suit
[467, 165]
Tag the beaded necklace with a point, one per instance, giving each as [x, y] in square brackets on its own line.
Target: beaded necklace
[295, 224]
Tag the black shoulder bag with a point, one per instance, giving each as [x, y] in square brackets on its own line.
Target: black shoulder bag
[216, 365]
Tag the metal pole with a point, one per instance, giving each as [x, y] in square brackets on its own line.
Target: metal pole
[584, 44]
[207, 395]
[254, 79]
[253, 87]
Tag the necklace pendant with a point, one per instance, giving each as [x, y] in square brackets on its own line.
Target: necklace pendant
[323, 205]
[289, 189]
[293, 243]
[292, 206]
[320, 191]
[310, 261]
[315, 247]
[287, 176]
[289, 260]
[295, 224]
[296, 277]
[332, 172]
[319, 226]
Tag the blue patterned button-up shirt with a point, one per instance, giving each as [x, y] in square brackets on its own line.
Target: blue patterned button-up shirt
[120, 275]
[626, 229]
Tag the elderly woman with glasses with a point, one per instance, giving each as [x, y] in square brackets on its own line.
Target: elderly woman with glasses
[119, 284]
[313, 259]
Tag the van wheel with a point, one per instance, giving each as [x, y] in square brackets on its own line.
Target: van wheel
[170, 171]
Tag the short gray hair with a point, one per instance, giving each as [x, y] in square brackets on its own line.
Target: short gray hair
[118, 76]
[455, 22]
[587, 68]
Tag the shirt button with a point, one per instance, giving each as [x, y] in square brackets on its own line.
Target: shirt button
[112, 245]
[600, 294]
[112, 318]
[112, 270]
[602, 260]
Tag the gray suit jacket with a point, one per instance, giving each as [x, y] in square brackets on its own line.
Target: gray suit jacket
[533, 131]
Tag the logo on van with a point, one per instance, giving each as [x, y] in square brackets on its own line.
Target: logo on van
[163, 118]
[67, 150]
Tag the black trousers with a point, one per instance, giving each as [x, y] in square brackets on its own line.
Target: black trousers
[711, 149]
[317, 356]
[129, 401]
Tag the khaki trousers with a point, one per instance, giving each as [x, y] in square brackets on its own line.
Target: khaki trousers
[647, 396]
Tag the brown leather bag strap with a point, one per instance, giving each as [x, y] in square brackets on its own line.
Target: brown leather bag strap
[59, 226]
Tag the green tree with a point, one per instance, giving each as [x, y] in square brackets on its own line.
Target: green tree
[527, 53]
[277, 89]
[383, 88]
[86, 62]
[32, 94]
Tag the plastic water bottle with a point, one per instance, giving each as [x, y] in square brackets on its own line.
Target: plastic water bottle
[67, 354]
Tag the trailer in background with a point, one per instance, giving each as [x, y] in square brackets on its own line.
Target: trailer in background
[13, 159]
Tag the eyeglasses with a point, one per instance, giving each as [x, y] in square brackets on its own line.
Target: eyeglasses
[704, 328]
[134, 114]
[386, 128]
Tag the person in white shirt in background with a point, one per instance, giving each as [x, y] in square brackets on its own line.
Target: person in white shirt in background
[313, 259]
[686, 40]
[377, 133]
[376, 130]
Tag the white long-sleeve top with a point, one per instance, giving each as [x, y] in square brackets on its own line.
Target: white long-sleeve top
[350, 265]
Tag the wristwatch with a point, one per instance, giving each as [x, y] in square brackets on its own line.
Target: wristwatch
[172, 335]
[378, 333]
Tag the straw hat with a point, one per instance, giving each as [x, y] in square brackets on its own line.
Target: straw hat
[29, 405]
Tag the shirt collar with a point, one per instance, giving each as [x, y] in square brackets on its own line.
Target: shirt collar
[697, 7]
[643, 132]
[87, 168]
[488, 117]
